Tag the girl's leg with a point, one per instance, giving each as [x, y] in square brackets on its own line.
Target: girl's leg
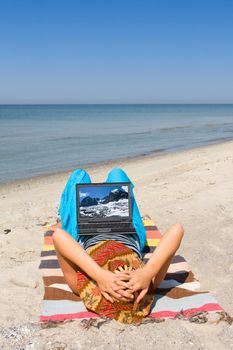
[167, 247]
[69, 268]
[67, 209]
[118, 175]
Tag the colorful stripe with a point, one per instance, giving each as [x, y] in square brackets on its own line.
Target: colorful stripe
[176, 267]
[210, 307]
[48, 253]
[148, 222]
[162, 302]
[179, 291]
[152, 242]
[48, 247]
[71, 316]
[161, 314]
[153, 234]
[48, 240]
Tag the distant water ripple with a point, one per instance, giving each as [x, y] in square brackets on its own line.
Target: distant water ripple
[176, 127]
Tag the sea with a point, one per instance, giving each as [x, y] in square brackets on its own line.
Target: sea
[44, 139]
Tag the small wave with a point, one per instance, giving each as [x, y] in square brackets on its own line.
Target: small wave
[228, 130]
[211, 125]
[158, 150]
[65, 138]
[140, 133]
[229, 123]
[176, 127]
[218, 139]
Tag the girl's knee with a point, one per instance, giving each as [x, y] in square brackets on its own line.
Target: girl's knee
[117, 175]
[71, 280]
[178, 228]
[79, 176]
[57, 234]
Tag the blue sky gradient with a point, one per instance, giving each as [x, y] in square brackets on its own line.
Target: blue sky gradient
[98, 191]
[116, 51]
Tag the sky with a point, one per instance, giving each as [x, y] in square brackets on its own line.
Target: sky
[116, 51]
[99, 192]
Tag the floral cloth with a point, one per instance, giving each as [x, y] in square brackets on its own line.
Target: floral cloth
[112, 255]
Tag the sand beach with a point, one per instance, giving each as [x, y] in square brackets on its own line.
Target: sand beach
[193, 187]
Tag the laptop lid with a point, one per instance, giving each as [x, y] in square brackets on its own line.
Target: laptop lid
[99, 202]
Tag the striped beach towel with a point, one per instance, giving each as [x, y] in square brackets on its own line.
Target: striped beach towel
[179, 293]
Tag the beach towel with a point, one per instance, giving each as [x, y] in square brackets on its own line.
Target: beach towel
[178, 294]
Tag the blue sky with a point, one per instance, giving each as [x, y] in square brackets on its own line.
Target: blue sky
[98, 192]
[128, 51]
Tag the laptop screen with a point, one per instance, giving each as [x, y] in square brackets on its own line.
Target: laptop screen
[103, 201]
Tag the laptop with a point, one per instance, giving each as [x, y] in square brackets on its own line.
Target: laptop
[104, 208]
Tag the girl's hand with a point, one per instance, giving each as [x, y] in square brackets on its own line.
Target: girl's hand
[139, 280]
[109, 289]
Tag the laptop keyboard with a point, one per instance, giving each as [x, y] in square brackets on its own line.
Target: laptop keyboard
[106, 225]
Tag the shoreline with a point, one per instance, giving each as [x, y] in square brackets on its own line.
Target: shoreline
[111, 163]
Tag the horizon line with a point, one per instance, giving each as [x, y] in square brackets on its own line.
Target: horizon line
[117, 103]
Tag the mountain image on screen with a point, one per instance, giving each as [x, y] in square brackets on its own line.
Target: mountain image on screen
[103, 201]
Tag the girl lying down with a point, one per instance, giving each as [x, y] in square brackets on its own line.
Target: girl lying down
[107, 271]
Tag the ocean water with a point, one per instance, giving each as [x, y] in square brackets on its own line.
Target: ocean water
[42, 139]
